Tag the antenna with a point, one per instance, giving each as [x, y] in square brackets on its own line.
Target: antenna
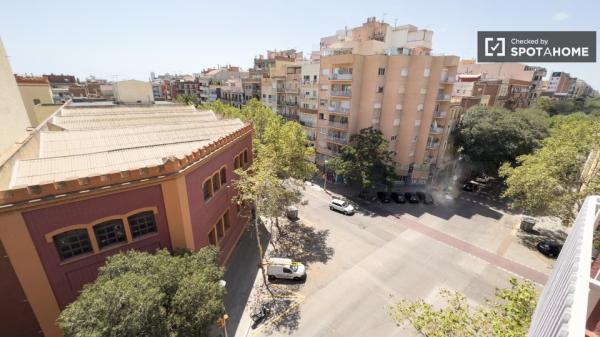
[395, 23]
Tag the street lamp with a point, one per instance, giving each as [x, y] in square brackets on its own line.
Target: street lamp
[222, 322]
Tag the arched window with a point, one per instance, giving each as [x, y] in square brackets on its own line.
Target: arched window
[110, 232]
[72, 243]
[142, 223]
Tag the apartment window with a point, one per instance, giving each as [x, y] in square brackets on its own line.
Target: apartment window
[399, 107]
[72, 243]
[223, 174]
[423, 91]
[323, 130]
[381, 71]
[226, 222]
[404, 72]
[393, 138]
[401, 90]
[207, 187]
[212, 237]
[427, 72]
[245, 157]
[220, 229]
[325, 72]
[321, 115]
[417, 122]
[110, 232]
[216, 182]
[380, 89]
[36, 101]
[396, 121]
[236, 162]
[142, 223]
[420, 107]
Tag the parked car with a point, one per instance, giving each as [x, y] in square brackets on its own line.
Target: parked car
[470, 187]
[411, 197]
[283, 268]
[367, 195]
[425, 198]
[341, 206]
[549, 248]
[384, 197]
[398, 197]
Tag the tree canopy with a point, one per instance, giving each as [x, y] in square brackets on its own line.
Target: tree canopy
[150, 295]
[188, 99]
[366, 161]
[489, 136]
[508, 315]
[549, 181]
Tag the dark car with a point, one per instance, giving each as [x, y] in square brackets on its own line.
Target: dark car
[367, 195]
[411, 197]
[470, 187]
[398, 197]
[549, 248]
[425, 197]
[384, 197]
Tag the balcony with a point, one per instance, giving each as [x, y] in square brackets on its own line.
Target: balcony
[341, 93]
[336, 139]
[442, 97]
[338, 125]
[433, 145]
[338, 109]
[341, 77]
[308, 124]
[436, 130]
[439, 114]
[448, 80]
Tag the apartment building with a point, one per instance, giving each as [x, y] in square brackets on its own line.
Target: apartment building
[559, 82]
[309, 99]
[59, 84]
[34, 91]
[291, 99]
[133, 92]
[384, 76]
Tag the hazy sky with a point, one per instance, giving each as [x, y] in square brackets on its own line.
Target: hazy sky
[129, 38]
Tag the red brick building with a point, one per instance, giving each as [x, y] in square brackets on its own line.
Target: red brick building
[94, 181]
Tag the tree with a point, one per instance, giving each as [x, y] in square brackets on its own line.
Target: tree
[550, 181]
[488, 137]
[509, 315]
[143, 294]
[187, 99]
[366, 160]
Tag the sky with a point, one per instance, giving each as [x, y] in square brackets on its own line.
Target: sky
[130, 38]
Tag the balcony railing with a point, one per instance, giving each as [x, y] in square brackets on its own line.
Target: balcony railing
[338, 109]
[435, 131]
[341, 93]
[338, 125]
[340, 77]
[308, 124]
[442, 97]
[339, 140]
[439, 114]
[448, 80]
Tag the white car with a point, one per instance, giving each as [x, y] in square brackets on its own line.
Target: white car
[283, 268]
[341, 206]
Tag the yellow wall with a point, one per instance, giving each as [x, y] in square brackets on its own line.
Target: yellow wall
[32, 92]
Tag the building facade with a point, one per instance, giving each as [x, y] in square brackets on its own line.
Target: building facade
[385, 77]
[34, 92]
[102, 196]
[133, 92]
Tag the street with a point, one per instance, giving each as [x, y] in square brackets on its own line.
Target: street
[360, 265]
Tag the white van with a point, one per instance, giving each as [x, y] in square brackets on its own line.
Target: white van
[282, 268]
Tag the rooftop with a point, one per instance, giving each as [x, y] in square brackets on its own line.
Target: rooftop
[84, 141]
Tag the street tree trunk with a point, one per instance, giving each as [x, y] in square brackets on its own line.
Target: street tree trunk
[260, 253]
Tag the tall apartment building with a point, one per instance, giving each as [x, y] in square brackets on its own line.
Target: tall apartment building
[559, 82]
[309, 99]
[291, 97]
[386, 77]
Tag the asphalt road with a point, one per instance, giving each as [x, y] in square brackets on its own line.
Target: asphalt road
[374, 258]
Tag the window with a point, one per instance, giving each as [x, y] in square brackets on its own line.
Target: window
[236, 163]
[404, 72]
[381, 71]
[325, 71]
[420, 107]
[216, 182]
[220, 229]
[142, 223]
[212, 237]
[393, 138]
[36, 101]
[427, 72]
[72, 243]
[245, 157]
[110, 232]
[207, 187]
[223, 174]
[380, 89]
[287, 270]
[226, 222]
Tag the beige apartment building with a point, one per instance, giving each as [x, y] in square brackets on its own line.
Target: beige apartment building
[272, 73]
[386, 77]
[35, 91]
[133, 92]
[309, 99]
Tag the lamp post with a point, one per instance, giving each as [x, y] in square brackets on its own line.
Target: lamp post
[222, 322]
